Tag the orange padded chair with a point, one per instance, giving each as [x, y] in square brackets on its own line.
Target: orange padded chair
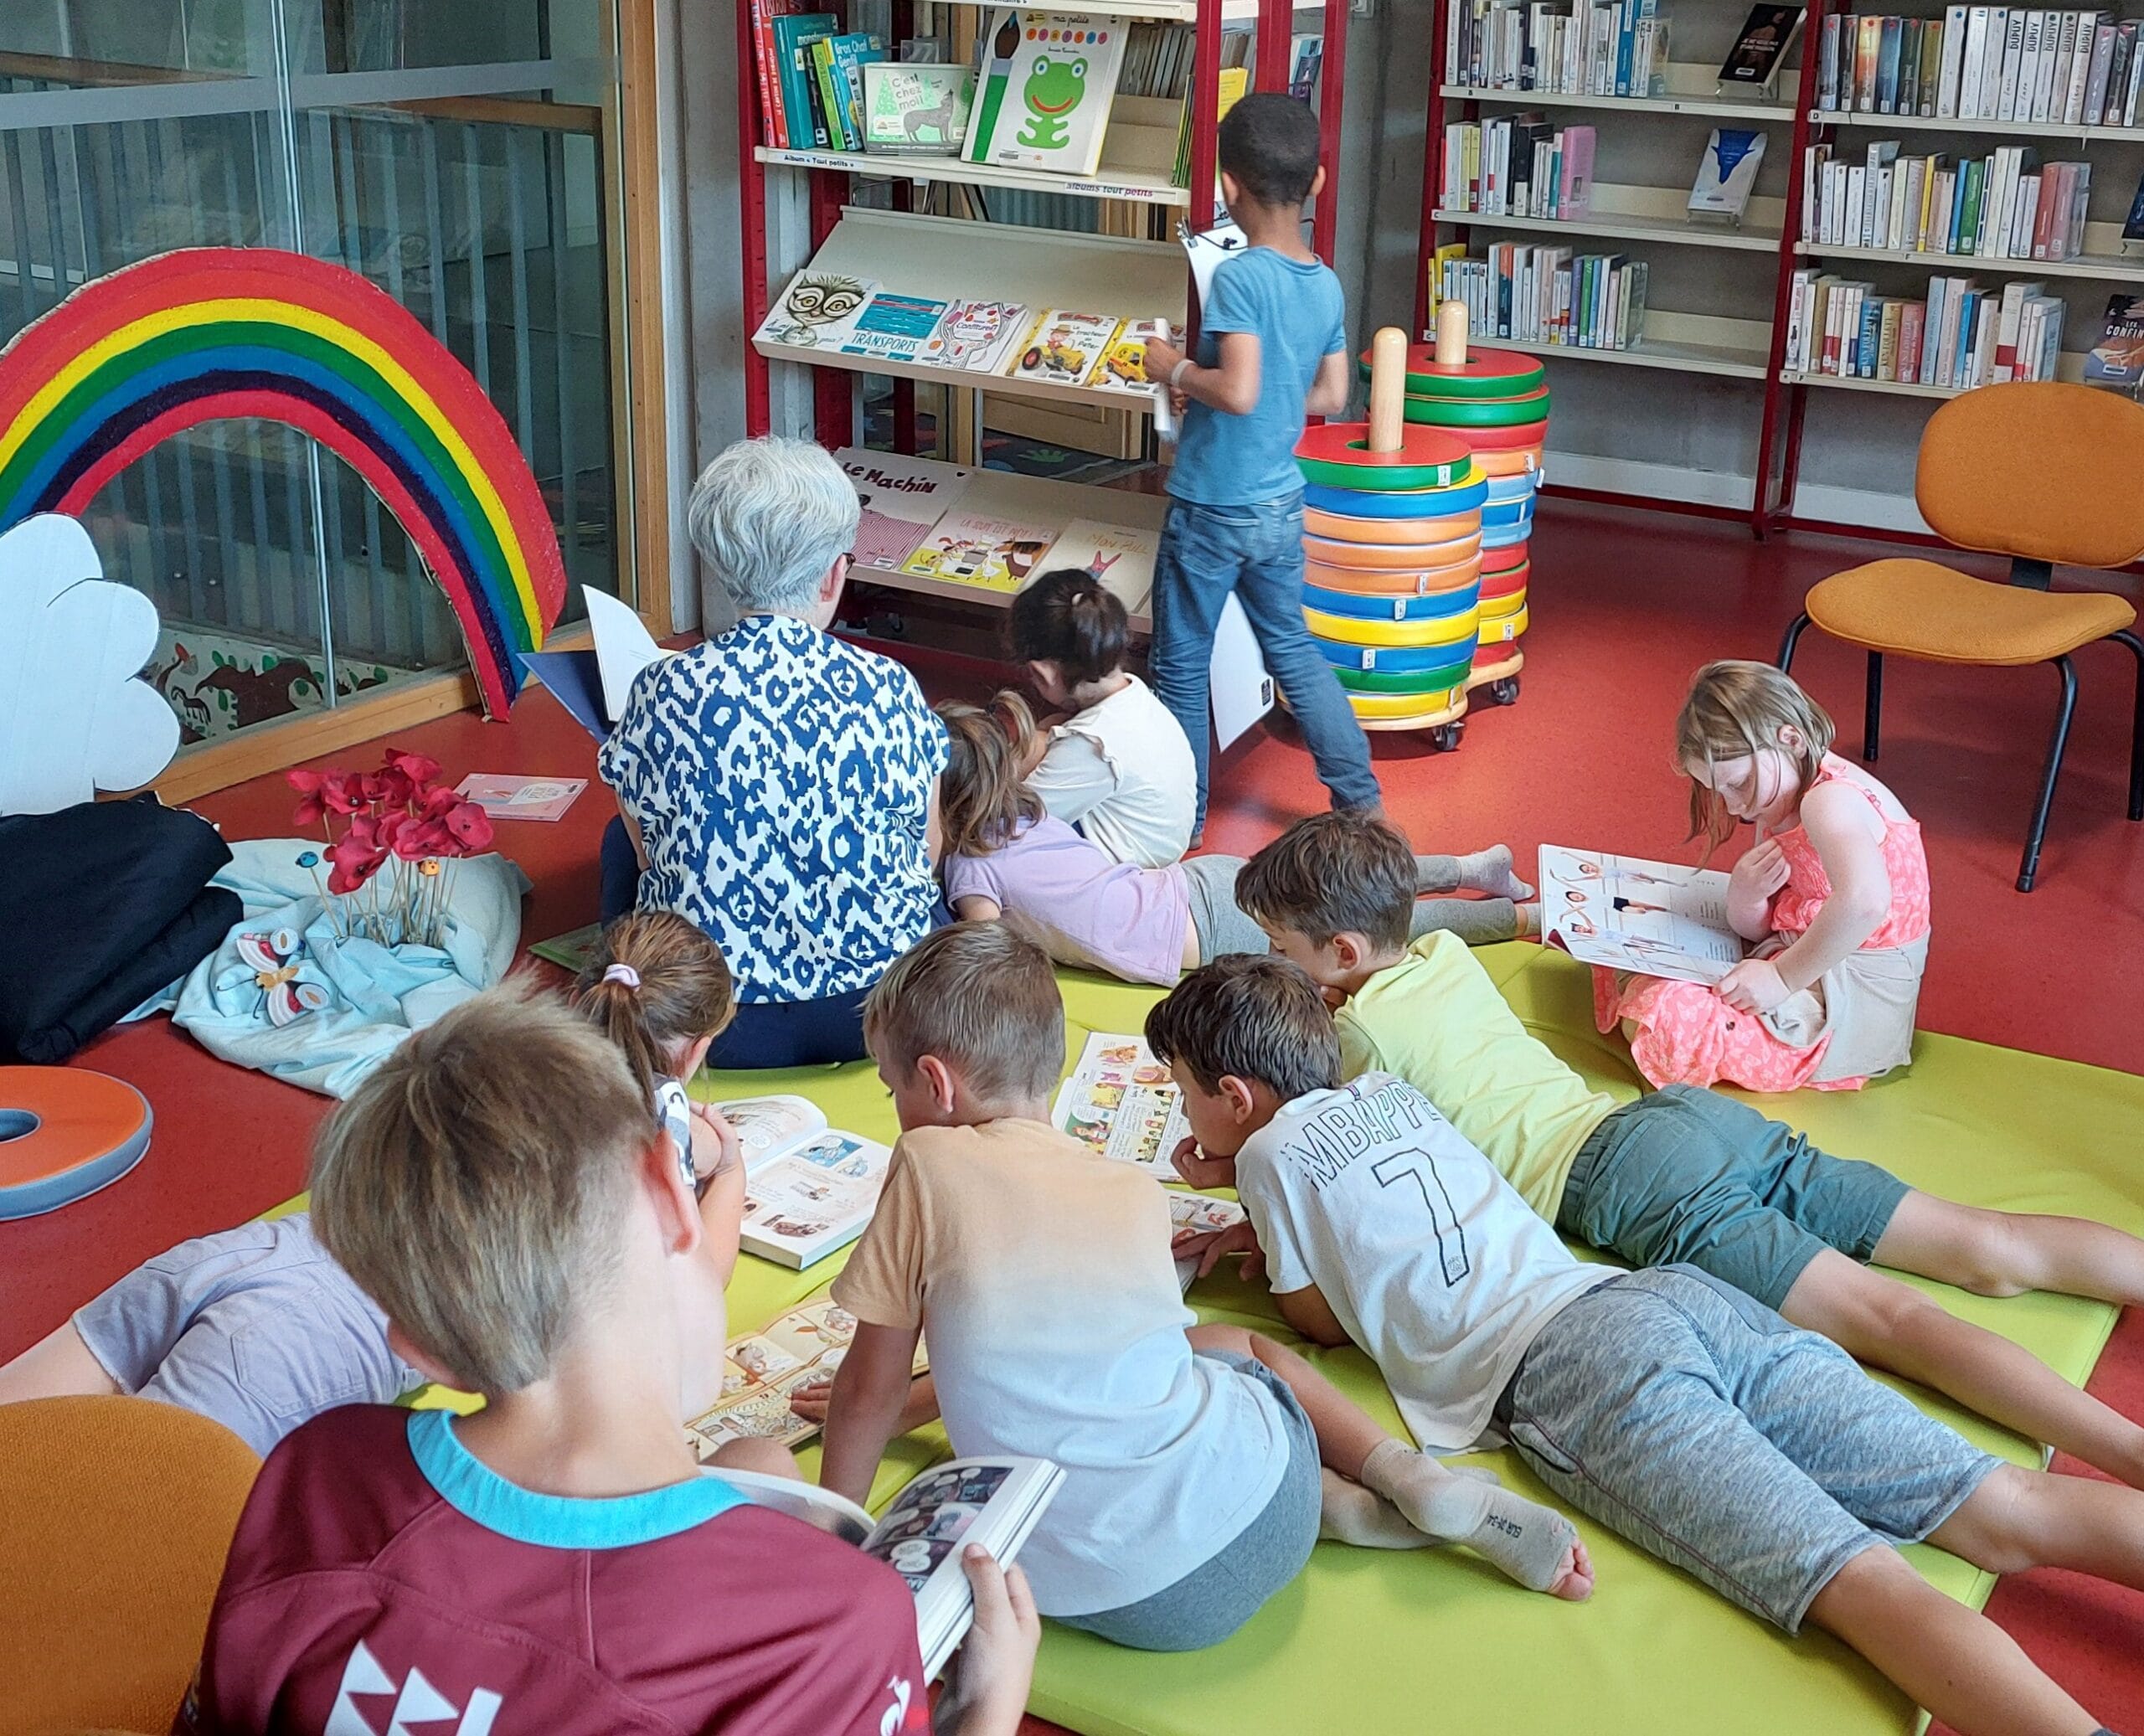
[116, 1515]
[2050, 475]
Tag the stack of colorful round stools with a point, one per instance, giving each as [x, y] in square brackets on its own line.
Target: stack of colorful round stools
[1497, 401]
[1392, 548]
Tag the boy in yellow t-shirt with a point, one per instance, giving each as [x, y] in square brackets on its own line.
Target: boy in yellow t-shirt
[1682, 1175]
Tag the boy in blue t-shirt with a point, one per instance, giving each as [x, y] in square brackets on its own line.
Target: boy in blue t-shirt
[1272, 349]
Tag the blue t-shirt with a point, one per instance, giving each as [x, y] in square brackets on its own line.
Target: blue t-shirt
[1295, 309]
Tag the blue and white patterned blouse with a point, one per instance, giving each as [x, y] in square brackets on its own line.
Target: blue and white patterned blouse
[782, 780]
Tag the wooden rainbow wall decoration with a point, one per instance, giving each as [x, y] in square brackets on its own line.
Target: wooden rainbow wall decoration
[204, 333]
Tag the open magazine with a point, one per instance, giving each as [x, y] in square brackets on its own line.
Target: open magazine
[994, 1502]
[1192, 1216]
[765, 1369]
[1657, 918]
[1122, 1101]
[809, 1189]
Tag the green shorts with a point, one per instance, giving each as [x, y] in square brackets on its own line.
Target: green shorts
[1687, 1176]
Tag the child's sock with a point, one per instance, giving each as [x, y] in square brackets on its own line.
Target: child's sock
[1529, 1541]
[1351, 1514]
[1490, 871]
[1527, 918]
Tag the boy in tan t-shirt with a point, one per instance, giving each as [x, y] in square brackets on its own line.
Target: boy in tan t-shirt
[1043, 1276]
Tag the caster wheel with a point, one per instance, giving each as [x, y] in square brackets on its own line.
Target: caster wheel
[1444, 738]
[1504, 692]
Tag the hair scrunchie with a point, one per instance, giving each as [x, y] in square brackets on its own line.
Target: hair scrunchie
[621, 973]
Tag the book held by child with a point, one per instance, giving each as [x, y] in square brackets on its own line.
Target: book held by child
[1661, 919]
[993, 1502]
[809, 1189]
[1121, 1101]
[765, 1369]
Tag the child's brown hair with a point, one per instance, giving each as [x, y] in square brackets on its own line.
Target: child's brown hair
[654, 984]
[1250, 1017]
[981, 802]
[477, 1185]
[983, 998]
[1333, 874]
[1734, 710]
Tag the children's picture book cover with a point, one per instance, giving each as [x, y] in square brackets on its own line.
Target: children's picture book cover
[1048, 80]
[902, 498]
[990, 553]
[1661, 919]
[1192, 1217]
[975, 335]
[893, 327]
[1122, 367]
[818, 311]
[914, 109]
[1120, 555]
[1064, 347]
[569, 952]
[1122, 1101]
[2115, 359]
[514, 798]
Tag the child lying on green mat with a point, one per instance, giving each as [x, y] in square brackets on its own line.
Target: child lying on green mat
[557, 1561]
[1684, 1174]
[1669, 1406]
[1042, 1273]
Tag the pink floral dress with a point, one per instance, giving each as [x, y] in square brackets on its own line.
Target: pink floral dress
[1855, 1023]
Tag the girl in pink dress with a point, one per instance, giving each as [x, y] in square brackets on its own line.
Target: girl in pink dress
[1834, 894]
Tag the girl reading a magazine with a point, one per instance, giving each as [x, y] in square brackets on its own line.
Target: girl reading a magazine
[1834, 892]
[1005, 854]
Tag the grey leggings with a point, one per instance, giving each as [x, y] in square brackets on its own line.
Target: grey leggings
[1224, 928]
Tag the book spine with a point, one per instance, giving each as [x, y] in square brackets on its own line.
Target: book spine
[1911, 318]
[830, 103]
[1828, 64]
[2134, 88]
[1889, 44]
[1974, 65]
[2013, 54]
[2005, 365]
[771, 128]
[2081, 69]
[1953, 53]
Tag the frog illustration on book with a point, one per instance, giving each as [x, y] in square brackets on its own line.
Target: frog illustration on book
[1053, 91]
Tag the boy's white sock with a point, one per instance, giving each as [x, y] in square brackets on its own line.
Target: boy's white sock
[1529, 1541]
[1350, 1514]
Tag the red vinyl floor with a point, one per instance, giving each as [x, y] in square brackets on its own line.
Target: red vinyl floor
[1624, 606]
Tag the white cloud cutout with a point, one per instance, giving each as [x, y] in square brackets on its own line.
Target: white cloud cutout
[74, 719]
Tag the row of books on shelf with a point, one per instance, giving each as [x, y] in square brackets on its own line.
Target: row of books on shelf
[971, 528]
[837, 314]
[1039, 95]
[1983, 63]
[1960, 337]
[1518, 166]
[2003, 206]
[1576, 49]
[1547, 294]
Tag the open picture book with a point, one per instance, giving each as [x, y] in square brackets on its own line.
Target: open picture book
[763, 1370]
[809, 1188]
[994, 1502]
[1662, 919]
[1122, 1101]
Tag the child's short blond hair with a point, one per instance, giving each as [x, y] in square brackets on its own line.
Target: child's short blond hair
[476, 1187]
[983, 998]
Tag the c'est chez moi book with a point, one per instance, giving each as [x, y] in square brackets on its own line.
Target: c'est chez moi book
[992, 1501]
[809, 1189]
[1661, 919]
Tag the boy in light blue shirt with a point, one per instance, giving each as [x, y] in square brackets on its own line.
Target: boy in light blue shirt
[1272, 349]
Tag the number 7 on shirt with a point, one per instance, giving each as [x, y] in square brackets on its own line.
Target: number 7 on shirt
[1418, 1167]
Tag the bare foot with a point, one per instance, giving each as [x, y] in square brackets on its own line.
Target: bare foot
[1574, 1582]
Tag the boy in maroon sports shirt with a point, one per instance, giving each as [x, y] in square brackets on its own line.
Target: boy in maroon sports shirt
[556, 1562]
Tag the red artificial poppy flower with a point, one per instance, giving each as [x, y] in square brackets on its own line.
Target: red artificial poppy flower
[471, 829]
[310, 808]
[420, 768]
[339, 791]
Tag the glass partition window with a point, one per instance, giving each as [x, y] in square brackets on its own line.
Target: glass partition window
[461, 157]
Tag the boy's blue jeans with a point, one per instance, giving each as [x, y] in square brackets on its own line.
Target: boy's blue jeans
[1257, 552]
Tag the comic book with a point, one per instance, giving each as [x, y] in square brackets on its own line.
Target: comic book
[1658, 917]
[809, 1188]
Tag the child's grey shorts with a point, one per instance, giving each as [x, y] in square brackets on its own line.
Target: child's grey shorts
[1706, 1429]
[256, 1327]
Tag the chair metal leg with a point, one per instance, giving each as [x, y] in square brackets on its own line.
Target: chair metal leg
[1873, 724]
[2137, 732]
[2029, 870]
[1793, 638]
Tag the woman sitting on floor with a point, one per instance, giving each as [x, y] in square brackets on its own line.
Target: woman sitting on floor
[776, 785]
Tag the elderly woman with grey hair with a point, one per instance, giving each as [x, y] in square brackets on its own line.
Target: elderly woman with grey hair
[776, 785]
